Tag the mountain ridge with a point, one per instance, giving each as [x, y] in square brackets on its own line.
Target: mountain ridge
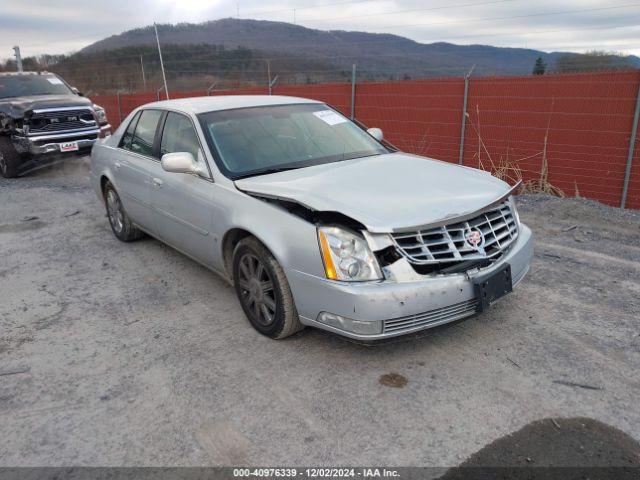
[373, 52]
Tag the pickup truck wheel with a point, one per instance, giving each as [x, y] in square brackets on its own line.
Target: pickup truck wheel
[121, 225]
[9, 158]
[263, 290]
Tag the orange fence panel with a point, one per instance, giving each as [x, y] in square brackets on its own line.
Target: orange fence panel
[579, 124]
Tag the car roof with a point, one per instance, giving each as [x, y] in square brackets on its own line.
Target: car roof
[197, 105]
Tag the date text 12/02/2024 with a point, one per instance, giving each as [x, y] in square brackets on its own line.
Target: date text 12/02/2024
[316, 472]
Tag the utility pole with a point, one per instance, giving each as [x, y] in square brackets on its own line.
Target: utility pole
[238, 9]
[144, 79]
[294, 16]
[18, 58]
[164, 77]
[353, 91]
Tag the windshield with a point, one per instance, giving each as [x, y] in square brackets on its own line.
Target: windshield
[26, 85]
[251, 141]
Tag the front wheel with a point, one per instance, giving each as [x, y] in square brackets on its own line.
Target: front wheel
[9, 158]
[121, 225]
[263, 290]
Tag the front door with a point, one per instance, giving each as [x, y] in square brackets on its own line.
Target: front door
[182, 202]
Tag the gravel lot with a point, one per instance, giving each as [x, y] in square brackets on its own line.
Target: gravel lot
[132, 354]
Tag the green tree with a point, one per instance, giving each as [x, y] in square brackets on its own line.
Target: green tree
[540, 66]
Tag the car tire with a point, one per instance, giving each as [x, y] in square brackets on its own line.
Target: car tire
[121, 225]
[263, 290]
[9, 158]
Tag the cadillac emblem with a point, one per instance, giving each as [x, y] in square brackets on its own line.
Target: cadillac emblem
[475, 239]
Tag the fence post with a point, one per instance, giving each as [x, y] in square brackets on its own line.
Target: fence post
[119, 106]
[353, 91]
[272, 83]
[632, 144]
[464, 115]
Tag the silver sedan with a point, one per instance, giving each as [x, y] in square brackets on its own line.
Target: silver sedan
[315, 220]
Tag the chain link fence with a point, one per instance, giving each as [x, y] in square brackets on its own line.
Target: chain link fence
[569, 134]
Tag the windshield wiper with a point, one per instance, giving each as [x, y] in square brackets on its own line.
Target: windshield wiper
[266, 171]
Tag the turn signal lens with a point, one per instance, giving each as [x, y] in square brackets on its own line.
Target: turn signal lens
[329, 267]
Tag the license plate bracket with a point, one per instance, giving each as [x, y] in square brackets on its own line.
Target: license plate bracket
[492, 286]
[69, 147]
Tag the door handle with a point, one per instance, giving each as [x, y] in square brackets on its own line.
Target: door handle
[117, 165]
[157, 182]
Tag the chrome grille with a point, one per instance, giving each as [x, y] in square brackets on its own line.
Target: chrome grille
[432, 317]
[448, 243]
[61, 120]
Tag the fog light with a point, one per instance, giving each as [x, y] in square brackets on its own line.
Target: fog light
[354, 326]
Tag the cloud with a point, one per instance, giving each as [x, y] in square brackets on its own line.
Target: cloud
[574, 25]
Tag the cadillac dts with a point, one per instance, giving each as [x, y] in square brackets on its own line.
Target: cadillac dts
[315, 220]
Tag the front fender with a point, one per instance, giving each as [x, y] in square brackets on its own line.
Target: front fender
[292, 240]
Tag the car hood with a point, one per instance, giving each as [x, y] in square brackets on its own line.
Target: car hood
[17, 106]
[385, 193]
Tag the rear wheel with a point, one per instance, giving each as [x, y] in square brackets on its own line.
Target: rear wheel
[121, 225]
[9, 158]
[263, 290]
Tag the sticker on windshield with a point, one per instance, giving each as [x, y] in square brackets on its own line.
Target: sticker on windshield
[330, 117]
[54, 80]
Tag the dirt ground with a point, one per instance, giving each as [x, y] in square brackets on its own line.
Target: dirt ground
[132, 354]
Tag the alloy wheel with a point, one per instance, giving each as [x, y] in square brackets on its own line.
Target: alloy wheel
[114, 210]
[256, 289]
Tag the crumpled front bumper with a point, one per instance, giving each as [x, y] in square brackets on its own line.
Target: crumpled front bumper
[401, 307]
[50, 143]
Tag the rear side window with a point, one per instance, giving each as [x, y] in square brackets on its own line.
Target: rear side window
[145, 132]
[179, 136]
[128, 134]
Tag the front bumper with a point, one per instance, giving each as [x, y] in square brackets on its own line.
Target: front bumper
[402, 307]
[44, 144]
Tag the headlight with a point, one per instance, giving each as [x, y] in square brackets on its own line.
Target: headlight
[347, 256]
[100, 113]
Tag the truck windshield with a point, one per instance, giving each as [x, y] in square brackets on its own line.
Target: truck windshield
[27, 85]
[259, 140]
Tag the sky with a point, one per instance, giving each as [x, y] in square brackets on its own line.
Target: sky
[64, 26]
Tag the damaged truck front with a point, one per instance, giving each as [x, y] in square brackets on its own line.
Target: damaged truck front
[41, 118]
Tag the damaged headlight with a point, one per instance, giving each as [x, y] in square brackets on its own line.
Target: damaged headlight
[347, 256]
[100, 113]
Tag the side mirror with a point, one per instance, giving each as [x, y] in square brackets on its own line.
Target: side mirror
[77, 92]
[376, 133]
[179, 162]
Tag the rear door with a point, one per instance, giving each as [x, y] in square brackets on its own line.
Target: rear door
[182, 202]
[137, 162]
